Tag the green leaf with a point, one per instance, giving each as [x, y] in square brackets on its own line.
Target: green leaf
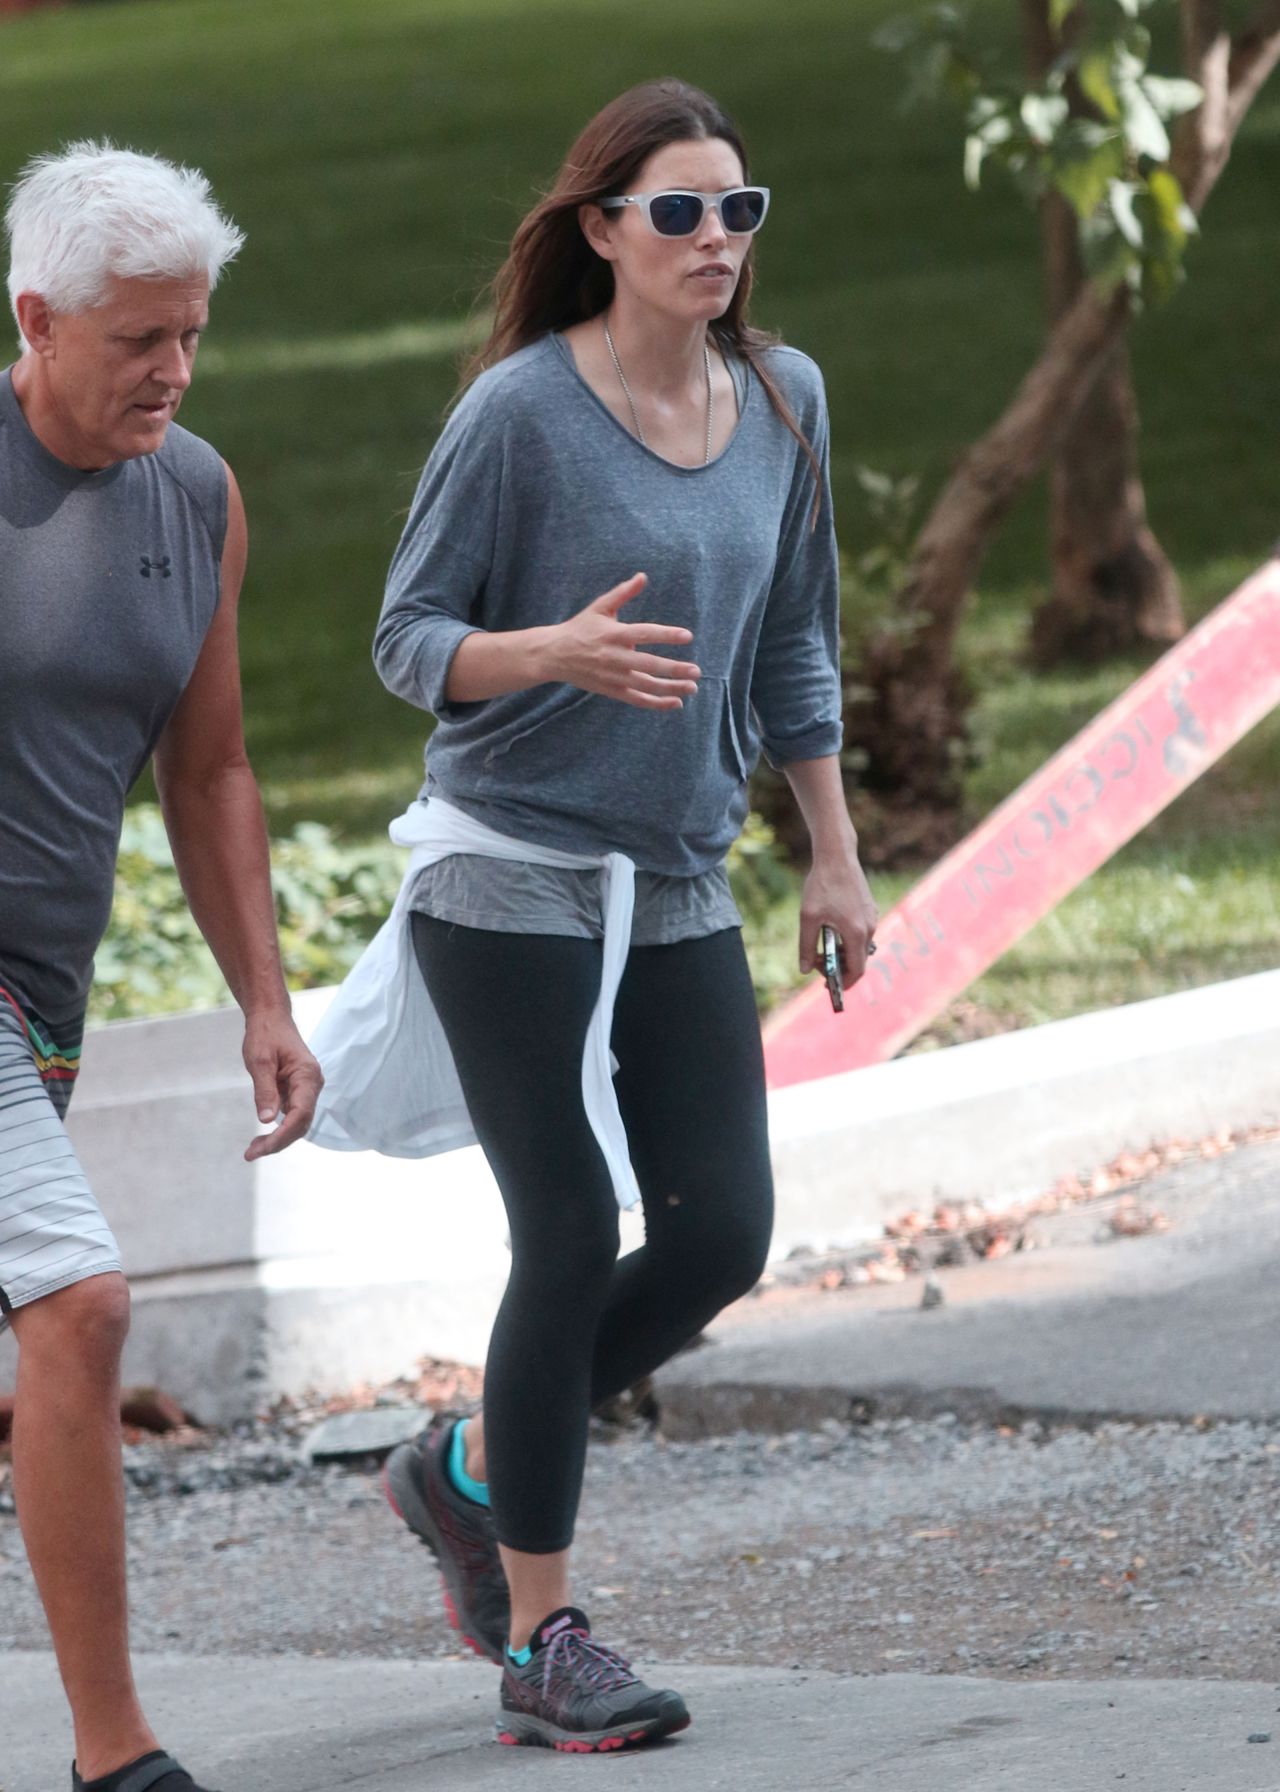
[975, 154]
[1060, 11]
[927, 78]
[1094, 76]
[1170, 96]
[1108, 258]
[1086, 160]
[991, 132]
[1168, 208]
[876, 485]
[1160, 208]
[1043, 115]
[897, 35]
[1143, 126]
[1122, 195]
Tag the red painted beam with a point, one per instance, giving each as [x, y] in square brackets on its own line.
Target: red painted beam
[1065, 821]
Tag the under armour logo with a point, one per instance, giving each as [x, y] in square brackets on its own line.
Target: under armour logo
[164, 566]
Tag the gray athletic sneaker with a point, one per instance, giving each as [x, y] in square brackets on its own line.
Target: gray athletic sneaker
[153, 1772]
[459, 1534]
[575, 1695]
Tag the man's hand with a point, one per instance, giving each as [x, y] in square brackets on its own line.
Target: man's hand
[836, 895]
[286, 1081]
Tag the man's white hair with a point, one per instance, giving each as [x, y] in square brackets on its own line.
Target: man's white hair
[90, 211]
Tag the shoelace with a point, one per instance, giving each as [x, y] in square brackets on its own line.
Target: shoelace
[579, 1658]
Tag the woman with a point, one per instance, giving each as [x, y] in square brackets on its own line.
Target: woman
[623, 414]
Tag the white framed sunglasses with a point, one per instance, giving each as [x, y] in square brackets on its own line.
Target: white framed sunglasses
[676, 211]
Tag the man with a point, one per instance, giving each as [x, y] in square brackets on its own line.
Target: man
[122, 548]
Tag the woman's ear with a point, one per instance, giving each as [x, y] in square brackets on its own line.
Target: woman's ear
[595, 227]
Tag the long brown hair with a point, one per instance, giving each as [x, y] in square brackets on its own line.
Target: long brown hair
[552, 277]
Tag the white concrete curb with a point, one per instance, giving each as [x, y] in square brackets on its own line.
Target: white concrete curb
[1002, 1119]
[319, 1269]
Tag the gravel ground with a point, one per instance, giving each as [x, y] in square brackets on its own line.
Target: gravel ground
[908, 1546]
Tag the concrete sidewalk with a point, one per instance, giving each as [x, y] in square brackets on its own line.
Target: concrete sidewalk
[298, 1725]
[1175, 1325]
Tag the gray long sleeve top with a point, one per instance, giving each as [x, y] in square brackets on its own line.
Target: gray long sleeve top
[536, 500]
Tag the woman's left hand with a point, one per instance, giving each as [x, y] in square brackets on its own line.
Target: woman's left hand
[836, 894]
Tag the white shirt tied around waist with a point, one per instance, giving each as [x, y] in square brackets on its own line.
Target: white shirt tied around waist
[390, 1081]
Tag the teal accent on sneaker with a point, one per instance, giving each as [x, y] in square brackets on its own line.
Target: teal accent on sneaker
[521, 1657]
[473, 1490]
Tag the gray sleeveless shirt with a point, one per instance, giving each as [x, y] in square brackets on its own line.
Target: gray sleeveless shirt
[108, 584]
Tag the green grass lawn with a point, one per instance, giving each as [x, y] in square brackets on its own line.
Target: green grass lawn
[378, 156]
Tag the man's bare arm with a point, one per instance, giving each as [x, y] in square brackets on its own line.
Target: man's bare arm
[213, 813]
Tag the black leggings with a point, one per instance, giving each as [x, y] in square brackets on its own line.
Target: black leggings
[578, 1323]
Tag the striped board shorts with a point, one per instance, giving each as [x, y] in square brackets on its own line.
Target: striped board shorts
[52, 1232]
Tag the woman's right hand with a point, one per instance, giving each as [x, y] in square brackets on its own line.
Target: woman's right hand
[597, 652]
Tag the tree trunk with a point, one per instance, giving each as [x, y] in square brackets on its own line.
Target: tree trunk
[913, 723]
[1113, 585]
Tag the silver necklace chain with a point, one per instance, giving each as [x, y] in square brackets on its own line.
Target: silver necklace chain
[635, 415]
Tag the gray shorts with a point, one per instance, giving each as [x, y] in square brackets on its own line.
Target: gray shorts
[52, 1232]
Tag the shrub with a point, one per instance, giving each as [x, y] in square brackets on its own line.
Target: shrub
[330, 898]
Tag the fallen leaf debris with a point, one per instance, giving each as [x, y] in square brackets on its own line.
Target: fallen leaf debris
[918, 1243]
